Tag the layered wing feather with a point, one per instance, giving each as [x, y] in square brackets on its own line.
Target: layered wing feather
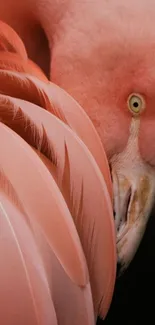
[70, 159]
[50, 211]
[13, 57]
[24, 295]
[31, 272]
[62, 105]
[81, 183]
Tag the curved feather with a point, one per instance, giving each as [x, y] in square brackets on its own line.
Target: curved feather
[13, 55]
[49, 211]
[82, 185]
[62, 105]
[12, 62]
[76, 118]
[41, 274]
[24, 296]
[73, 304]
[10, 41]
[54, 98]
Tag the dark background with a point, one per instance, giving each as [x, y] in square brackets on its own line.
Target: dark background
[134, 299]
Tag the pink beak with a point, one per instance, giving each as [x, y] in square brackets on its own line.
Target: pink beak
[134, 192]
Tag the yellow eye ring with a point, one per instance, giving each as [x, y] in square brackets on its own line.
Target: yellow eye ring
[136, 103]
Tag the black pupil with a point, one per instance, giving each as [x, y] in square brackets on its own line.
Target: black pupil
[135, 104]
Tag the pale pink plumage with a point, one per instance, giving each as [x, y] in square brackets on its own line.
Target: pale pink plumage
[82, 185]
[43, 211]
[32, 212]
[54, 99]
[58, 181]
[25, 297]
[100, 52]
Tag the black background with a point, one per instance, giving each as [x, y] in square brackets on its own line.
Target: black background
[134, 299]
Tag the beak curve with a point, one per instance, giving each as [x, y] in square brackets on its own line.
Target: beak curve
[134, 192]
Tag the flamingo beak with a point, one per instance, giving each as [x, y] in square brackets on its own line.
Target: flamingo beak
[134, 192]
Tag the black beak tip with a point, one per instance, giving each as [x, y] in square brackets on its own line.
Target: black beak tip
[120, 269]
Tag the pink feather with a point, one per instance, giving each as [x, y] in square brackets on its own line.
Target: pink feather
[25, 296]
[60, 232]
[82, 185]
[61, 104]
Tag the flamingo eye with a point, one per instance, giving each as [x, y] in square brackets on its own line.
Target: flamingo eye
[136, 103]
